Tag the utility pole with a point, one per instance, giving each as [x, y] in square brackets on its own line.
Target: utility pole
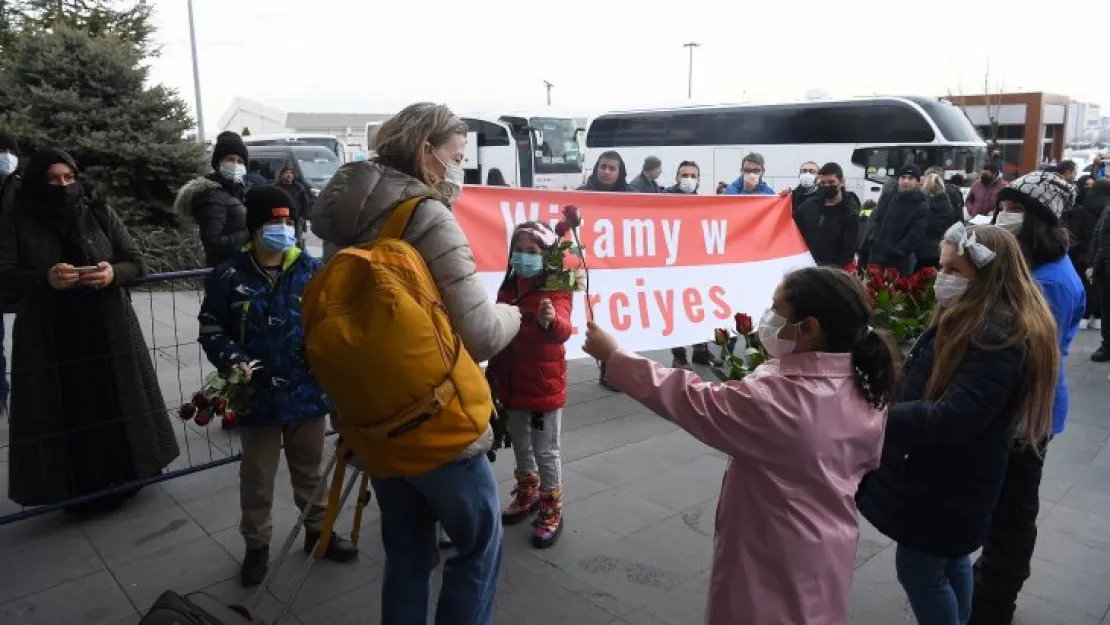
[690, 73]
[549, 86]
[196, 75]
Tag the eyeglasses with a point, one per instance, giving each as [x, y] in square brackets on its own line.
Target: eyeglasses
[756, 171]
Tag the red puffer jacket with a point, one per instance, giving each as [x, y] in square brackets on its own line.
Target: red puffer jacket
[531, 373]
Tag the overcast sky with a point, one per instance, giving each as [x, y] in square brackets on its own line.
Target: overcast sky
[603, 55]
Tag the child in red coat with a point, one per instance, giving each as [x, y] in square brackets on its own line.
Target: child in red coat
[531, 376]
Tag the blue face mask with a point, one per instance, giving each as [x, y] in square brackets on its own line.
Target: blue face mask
[526, 265]
[278, 237]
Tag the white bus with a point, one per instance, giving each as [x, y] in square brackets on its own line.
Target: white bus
[869, 137]
[540, 151]
[293, 139]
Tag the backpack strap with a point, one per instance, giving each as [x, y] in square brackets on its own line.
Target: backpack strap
[398, 222]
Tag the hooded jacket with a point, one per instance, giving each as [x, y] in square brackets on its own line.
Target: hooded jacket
[737, 188]
[620, 186]
[216, 204]
[356, 204]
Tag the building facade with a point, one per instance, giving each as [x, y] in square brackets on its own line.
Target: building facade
[1028, 129]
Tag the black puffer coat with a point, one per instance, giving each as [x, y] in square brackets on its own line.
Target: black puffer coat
[944, 461]
[940, 218]
[899, 231]
[217, 206]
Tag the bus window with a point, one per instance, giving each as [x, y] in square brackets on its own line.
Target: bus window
[559, 153]
[882, 164]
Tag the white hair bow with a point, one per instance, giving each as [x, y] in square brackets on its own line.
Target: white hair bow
[968, 245]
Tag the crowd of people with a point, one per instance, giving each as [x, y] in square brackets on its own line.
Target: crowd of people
[942, 450]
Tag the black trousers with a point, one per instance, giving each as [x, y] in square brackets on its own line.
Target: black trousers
[1004, 565]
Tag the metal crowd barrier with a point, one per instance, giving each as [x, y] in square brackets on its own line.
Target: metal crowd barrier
[166, 306]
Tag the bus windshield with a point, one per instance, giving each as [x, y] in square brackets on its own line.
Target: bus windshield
[559, 153]
[881, 164]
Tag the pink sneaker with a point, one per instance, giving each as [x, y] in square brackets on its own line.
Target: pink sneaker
[526, 499]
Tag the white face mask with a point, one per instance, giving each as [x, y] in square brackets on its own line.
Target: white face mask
[8, 163]
[688, 185]
[1010, 220]
[948, 288]
[751, 178]
[454, 176]
[234, 172]
[807, 179]
[769, 327]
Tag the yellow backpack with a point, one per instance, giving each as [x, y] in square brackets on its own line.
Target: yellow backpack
[408, 397]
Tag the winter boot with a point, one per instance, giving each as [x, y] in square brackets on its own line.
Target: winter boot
[526, 498]
[255, 564]
[549, 522]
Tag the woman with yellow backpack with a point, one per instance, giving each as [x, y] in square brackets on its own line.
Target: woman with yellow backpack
[395, 327]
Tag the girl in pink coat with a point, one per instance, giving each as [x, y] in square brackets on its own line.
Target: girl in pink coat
[801, 430]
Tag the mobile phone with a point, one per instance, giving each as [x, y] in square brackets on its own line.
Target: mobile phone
[83, 270]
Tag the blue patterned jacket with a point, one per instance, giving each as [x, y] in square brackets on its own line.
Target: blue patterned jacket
[247, 315]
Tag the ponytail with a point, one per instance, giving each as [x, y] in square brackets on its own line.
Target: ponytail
[876, 362]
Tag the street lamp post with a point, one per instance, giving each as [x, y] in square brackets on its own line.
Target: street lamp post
[690, 73]
[196, 75]
[549, 86]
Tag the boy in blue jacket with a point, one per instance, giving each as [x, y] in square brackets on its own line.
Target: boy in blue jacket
[252, 314]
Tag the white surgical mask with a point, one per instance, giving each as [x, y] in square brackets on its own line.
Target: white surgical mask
[1010, 220]
[234, 172]
[751, 178]
[688, 185]
[948, 288]
[8, 163]
[769, 327]
[807, 179]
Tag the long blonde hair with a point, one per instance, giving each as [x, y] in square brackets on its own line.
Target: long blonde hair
[1003, 291]
[403, 141]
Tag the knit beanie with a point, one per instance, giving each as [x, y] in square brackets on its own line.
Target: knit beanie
[8, 142]
[910, 169]
[266, 202]
[1045, 192]
[228, 143]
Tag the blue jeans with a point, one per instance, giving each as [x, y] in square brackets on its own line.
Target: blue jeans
[462, 496]
[939, 588]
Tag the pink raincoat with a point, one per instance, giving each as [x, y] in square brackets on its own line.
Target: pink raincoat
[800, 436]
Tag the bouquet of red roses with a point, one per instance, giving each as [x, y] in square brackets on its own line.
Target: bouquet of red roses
[752, 354]
[903, 305]
[225, 395]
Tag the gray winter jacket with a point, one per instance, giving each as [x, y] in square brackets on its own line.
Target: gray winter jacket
[354, 207]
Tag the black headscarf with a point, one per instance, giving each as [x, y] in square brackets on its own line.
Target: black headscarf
[61, 206]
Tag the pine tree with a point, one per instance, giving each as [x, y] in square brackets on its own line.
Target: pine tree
[88, 95]
[129, 20]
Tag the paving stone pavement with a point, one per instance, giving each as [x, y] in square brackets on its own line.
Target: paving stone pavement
[636, 550]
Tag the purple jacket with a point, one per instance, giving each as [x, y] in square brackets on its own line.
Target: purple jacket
[982, 200]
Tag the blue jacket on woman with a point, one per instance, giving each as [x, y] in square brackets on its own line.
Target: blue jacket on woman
[943, 461]
[1063, 289]
[246, 316]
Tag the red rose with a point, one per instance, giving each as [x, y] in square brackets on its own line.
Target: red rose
[573, 215]
[200, 400]
[203, 418]
[187, 411]
[561, 229]
[852, 267]
[743, 324]
[876, 285]
[873, 268]
[220, 406]
[720, 336]
[230, 420]
[928, 273]
[891, 274]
